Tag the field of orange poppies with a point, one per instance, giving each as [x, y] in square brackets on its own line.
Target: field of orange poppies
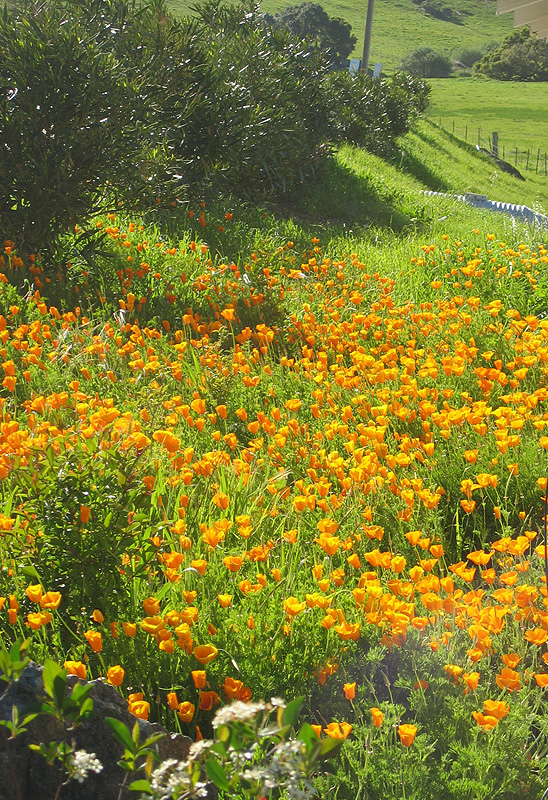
[295, 475]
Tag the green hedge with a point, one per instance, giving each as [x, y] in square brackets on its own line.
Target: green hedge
[115, 102]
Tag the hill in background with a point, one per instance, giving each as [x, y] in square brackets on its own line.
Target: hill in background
[400, 26]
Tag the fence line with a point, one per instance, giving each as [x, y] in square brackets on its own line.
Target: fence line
[529, 159]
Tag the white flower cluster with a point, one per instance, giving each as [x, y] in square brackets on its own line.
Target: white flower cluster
[284, 770]
[173, 779]
[81, 763]
[243, 712]
[237, 712]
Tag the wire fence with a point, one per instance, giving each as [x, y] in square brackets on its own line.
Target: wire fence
[531, 159]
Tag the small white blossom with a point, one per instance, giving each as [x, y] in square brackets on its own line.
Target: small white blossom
[237, 712]
[82, 763]
[197, 748]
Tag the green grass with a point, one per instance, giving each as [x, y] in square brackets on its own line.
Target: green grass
[355, 194]
[400, 27]
[516, 110]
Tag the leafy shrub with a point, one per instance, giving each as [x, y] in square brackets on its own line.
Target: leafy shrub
[310, 22]
[112, 102]
[65, 123]
[426, 63]
[265, 128]
[468, 56]
[520, 57]
[373, 113]
[93, 98]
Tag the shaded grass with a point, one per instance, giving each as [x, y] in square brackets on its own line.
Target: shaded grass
[358, 202]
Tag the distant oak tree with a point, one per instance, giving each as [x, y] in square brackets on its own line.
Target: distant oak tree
[310, 22]
[520, 57]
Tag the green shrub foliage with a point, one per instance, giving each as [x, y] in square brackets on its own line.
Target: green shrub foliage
[520, 57]
[266, 124]
[373, 113]
[426, 63]
[94, 100]
[64, 133]
[310, 22]
[106, 103]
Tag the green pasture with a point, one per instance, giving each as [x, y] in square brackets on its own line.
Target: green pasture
[516, 110]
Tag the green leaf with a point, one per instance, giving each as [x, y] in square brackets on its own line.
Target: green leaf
[218, 748]
[140, 786]
[152, 740]
[223, 733]
[292, 710]
[30, 572]
[135, 735]
[329, 748]
[55, 682]
[120, 732]
[121, 478]
[308, 735]
[217, 774]
[80, 692]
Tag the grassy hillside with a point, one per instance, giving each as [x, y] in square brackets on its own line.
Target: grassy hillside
[399, 25]
[357, 192]
[516, 110]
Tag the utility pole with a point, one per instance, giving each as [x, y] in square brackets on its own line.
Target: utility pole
[367, 35]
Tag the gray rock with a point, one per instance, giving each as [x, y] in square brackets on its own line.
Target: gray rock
[25, 775]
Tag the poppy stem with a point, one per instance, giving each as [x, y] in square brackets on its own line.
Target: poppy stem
[546, 538]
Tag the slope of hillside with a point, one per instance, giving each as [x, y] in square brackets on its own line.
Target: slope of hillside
[400, 26]
[355, 191]
[516, 110]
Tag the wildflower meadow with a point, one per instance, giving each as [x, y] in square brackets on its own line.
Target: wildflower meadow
[291, 476]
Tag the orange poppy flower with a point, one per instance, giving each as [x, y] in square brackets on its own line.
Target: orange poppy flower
[204, 653]
[233, 563]
[377, 716]
[95, 640]
[407, 734]
[496, 708]
[34, 593]
[185, 711]
[76, 668]
[115, 675]
[508, 679]
[349, 690]
[338, 730]
[50, 600]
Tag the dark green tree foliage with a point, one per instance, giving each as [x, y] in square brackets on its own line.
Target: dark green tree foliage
[374, 113]
[311, 23]
[63, 111]
[109, 102]
[94, 99]
[266, 122]
[520, 57]
[426, 63]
